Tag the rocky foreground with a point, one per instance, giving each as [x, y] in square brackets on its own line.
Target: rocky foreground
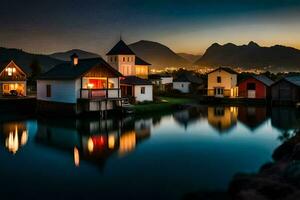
[279, 179]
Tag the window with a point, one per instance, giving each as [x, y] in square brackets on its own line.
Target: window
[143, 90]
[251, 86]
[219, 80]
[111, 59]
[182, 85]
[127, 59]
[48, 90]
[123, 59]
[116, 59]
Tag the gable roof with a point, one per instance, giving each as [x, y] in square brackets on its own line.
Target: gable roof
[227, 69]
[293, 79]
[188, 77]
[139, 61]
[134, 80]
[265, 80]
[121, 48]
[66, 70]
[261, 78]
[3, 65]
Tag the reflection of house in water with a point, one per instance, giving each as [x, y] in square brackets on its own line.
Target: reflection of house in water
[189, 116]
[14, 135]
[93, 141]
[252, 116]
[222, 118]
[285, 118]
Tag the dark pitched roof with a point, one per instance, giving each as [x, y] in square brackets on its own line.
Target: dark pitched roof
[120, 49]
[139, 61]
[293, 79]
[67, 71]
[227, 69]
[265, 80]
[158, 76]
[134, 80]
[188, 77]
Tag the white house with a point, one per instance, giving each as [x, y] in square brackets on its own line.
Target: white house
[135, 70]
[139, 88]
[162, 82]
[186, 82]
[222, 82]
[79, 86]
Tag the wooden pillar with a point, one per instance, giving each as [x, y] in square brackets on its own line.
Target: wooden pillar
[106, 87]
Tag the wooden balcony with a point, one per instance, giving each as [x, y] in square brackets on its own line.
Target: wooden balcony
[106, 93]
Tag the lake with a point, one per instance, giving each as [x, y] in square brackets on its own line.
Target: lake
[159, 157]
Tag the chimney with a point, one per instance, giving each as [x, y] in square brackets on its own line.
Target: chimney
[74, 59]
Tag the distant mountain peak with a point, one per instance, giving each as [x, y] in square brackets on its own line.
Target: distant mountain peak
[253, 44]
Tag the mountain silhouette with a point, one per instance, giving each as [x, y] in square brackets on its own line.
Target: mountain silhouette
[67, 54]
[160, 56]
[274, 58]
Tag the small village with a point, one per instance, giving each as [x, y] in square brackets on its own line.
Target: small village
[123, 81]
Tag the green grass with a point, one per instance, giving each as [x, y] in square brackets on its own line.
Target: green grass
[167, 103]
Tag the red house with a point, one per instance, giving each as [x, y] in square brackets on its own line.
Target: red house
[257, 87]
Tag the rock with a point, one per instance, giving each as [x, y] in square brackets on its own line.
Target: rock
[284, 151]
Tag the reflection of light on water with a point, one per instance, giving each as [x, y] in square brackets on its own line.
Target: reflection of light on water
[111, 141]
[90, 145]
[127, 142]
[76, 157]
[12, 141]
[24, 138]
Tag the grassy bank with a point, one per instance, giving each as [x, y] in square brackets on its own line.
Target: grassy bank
[166, 103]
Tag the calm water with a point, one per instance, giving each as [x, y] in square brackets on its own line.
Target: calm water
[160, 157]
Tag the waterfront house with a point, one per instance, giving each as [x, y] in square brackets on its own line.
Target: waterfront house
[12, 79]
[135, 70]
[79, 86]
[161, 82]
[138, 88]
[188, 82]
[222, 82]
[258, 87]
[286, 90]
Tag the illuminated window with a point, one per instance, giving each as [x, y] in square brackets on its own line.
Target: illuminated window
[48, 90]
[143, 90]
[10, 71]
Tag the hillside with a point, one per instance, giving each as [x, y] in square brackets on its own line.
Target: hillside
[158, 55]
[66, 55]
[190, 57]
[24, 59]
[274, 58]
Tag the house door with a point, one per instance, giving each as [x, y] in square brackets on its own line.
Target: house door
[251, 89]
[219, 92]
[251, 94]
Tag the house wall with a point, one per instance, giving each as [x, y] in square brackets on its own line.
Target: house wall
[126, 66]
[183, 87]
[142, 71]
[285, 91]
[66, 91]
[228, 81]
[148, 96]
[260, 92]
[166, 80]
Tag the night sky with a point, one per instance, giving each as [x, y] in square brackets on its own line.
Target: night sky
[46, 26]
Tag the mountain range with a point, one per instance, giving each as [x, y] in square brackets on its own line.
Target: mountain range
[67, 54]
[274, 58]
